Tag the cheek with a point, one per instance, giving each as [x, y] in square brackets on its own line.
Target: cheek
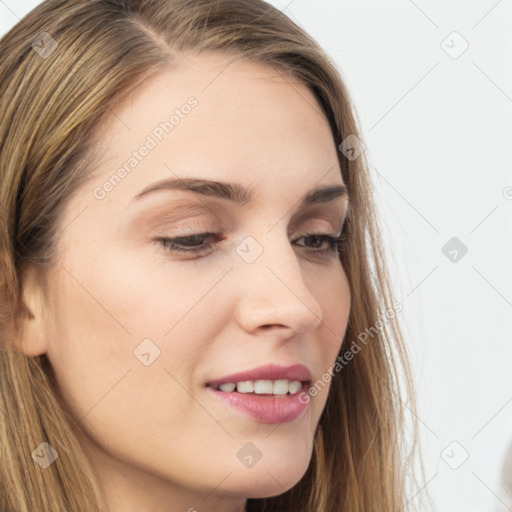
[332, 291]
[340, 311]
[128, 333]
[335, 301]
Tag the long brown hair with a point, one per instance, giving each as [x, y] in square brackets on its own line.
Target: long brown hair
[62, 67]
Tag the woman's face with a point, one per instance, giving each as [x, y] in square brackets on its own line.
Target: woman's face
[135, 332]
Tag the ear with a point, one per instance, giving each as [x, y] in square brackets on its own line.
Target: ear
[32, 336]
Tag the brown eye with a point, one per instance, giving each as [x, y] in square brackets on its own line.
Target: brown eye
[335, 244]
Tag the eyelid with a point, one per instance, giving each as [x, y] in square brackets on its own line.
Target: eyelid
[326, 226]
[192, 227]
[184, 210]
[189, 220]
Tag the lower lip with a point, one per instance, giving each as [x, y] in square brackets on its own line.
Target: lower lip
[266, 408]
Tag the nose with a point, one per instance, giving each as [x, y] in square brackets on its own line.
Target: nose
[273, 291]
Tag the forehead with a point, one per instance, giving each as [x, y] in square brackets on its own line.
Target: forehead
[247, 119]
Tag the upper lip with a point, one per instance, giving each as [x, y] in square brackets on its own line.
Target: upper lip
[268, 372]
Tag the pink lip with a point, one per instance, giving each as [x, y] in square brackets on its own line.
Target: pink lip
[268, 371]
[267, 408]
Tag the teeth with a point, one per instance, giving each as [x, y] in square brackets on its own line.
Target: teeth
[227, 387]
[295, 385]
[263, 387]
[247, 386]
[281, 387]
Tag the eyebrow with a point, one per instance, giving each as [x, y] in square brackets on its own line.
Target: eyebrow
[237, 193]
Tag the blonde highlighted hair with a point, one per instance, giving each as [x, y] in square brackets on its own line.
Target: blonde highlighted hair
[50, 109]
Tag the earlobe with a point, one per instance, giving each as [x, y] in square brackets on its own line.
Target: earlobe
[32, 337]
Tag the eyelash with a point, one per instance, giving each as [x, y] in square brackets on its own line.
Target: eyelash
[336, 244]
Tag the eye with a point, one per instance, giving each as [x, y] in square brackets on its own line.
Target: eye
[188, 243]
[335, 244]
[194, 244]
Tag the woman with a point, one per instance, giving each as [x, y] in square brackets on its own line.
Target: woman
[195, 309]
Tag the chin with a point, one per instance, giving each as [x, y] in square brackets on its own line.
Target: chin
[268, 481]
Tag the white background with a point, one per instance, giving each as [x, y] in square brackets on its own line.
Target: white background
[438, 134]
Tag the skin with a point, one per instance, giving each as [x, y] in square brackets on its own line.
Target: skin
[157, 439]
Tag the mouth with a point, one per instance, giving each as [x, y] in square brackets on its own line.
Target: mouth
[265, 407]
[267, 394]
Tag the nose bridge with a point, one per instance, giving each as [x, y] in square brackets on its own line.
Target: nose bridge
[272, 283]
